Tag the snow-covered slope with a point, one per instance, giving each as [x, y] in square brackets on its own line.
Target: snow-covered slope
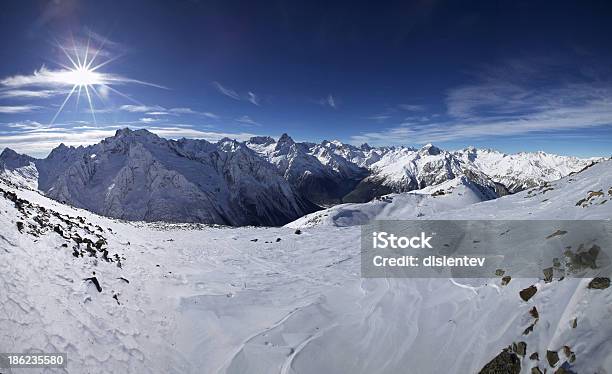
[452, 194]
[136, 175]
[204, 299]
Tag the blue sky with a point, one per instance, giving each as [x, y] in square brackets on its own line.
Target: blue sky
[515, 76]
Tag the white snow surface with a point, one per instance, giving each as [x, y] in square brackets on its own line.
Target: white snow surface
[210, 299]
[452, 194]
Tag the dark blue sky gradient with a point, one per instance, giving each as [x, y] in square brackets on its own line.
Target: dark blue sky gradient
[396, 72]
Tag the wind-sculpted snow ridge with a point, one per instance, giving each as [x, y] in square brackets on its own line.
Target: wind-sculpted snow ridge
[136, 175]
[212, 299]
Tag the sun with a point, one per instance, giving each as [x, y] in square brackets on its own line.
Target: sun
[81, 75]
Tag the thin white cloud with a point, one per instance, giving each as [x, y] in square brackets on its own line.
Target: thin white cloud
[141, 108]
[331, 101]
[250, 96]
[45, 77]
[500, 104]
[30, 94]
[26, 125]
[379, 117]
[14, 109]
[148, 120]
[157, 110]
[248, 121]
[412, 107]
[226, 91]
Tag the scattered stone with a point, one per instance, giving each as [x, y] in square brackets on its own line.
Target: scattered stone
[552, 357]
[504, 363]
[574, 323]
[529, 329]
[278, 240]
[535, 356]
[521, 348]
[116, 297]
[298, 232]
[556, 233]
[20, 226]
[500, 272]
[254, 240]
[599, 283]
[505, 280]
[94, 280]
[571, 356]
[548, 275]
[528, 293]
[534, 313]
[99, 243]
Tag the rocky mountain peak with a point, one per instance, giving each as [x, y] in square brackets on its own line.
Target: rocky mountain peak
[430, 149]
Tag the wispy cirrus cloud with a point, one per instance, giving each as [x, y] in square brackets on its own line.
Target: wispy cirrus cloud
[157, 110]
[411, 107]
[15, 109]
[247, 121]
[141, 108]
[250, 96]
[45, 77]
[505, 101]
[330, 101]
[30, 94]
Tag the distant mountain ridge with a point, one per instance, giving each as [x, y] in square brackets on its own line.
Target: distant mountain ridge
[137, 175]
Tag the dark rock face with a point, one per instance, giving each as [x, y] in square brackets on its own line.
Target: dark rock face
[504, 363]
[528, 293]
[367, 190]
[552, 357]
[599, 283]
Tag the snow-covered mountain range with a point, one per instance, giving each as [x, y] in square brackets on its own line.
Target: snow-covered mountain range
[133, 297]
[137, 175]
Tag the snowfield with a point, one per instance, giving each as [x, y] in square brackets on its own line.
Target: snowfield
[187, 298]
